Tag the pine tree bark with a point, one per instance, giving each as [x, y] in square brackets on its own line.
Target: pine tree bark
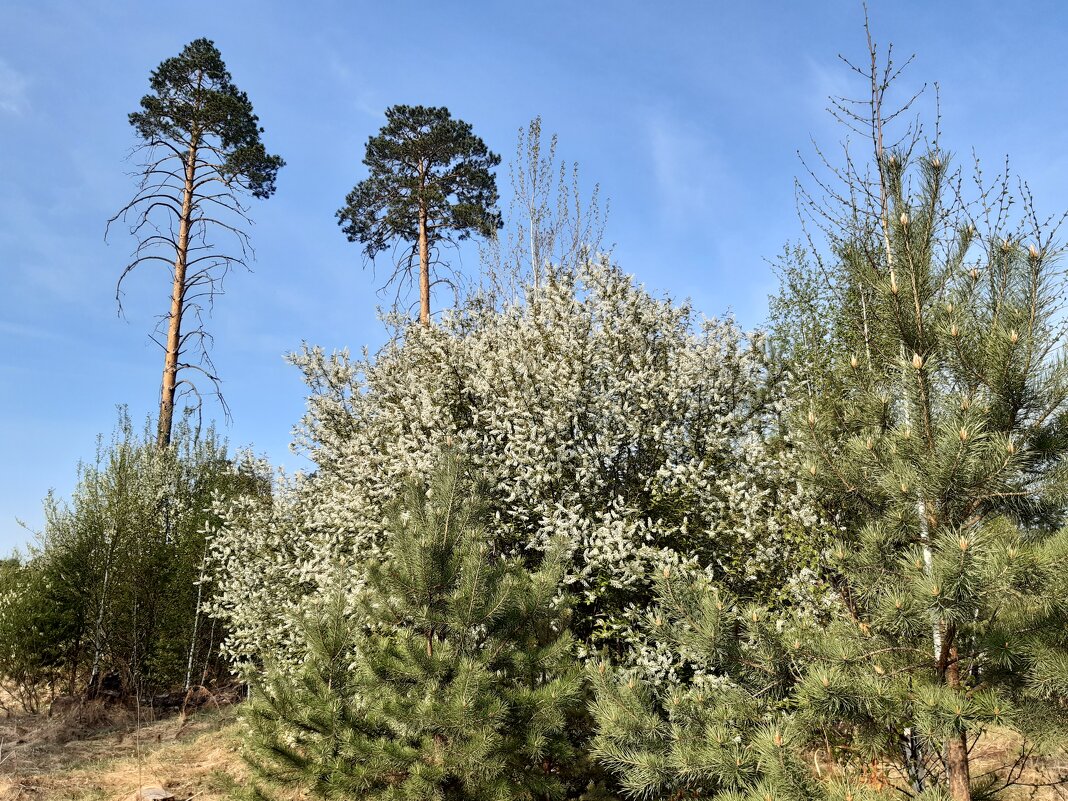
[957, 766]
[174, 328]
[424, 268]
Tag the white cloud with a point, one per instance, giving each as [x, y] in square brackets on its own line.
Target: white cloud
[827, 80]
[13, 87]
[689, 172]
[361, 97]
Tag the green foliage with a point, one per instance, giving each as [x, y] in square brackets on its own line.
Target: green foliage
[943, 449]
[38, 627]
[422, 159]
[726, 732]
[931, 405]
[454, 679]
[424, 165]
[116, 582]
[195, 103]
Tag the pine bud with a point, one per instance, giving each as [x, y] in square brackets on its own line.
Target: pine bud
[657, 621]
[936, 162]
[811, 418]
[906, 433]
[667, 571]
[936, 591]
[630, 684]
[1010, 448]
[904, 218]
[954, 331]
[963, 434]
[869, 443]
[812, 469]
[778, 738]
[949, 307]
[1013, 336]
[853, 362]
[1033, 251]
[879, 669]
[797, 645]
[965, 403]
[974, 273]
[825, 681]
[1006, 245]
[964, 543]
[917, 361]
[904, 488]
[893, 284]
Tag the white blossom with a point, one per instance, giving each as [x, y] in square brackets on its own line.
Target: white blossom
[599, 416]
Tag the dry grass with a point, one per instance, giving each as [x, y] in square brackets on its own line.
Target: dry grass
[98, 753]
[1043, 778]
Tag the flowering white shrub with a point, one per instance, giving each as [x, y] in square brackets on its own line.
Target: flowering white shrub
[597, 414]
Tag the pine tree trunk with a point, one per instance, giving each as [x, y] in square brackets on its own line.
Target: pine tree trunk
[957, 748]
[174, 328]
[957, 767]
[424, 269]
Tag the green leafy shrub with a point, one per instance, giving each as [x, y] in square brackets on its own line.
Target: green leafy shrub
[115, 585]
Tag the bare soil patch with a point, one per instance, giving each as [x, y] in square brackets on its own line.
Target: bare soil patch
[98, 752]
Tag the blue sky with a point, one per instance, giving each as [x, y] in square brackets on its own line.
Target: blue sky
[689, 115]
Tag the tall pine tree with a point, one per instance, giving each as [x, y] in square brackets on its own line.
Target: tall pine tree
[203, 157]
[430, 183]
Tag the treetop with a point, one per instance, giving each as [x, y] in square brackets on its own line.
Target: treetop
[193, 100]
[423, 158]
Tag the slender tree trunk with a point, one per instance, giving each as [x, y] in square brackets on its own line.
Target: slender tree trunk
[207, 655]
[957, 748]
[196, 620]
[424, 269]
[98, 645]
[174, 328]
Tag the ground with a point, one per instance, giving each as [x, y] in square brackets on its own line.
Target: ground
[101, 753]
[98, 753]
